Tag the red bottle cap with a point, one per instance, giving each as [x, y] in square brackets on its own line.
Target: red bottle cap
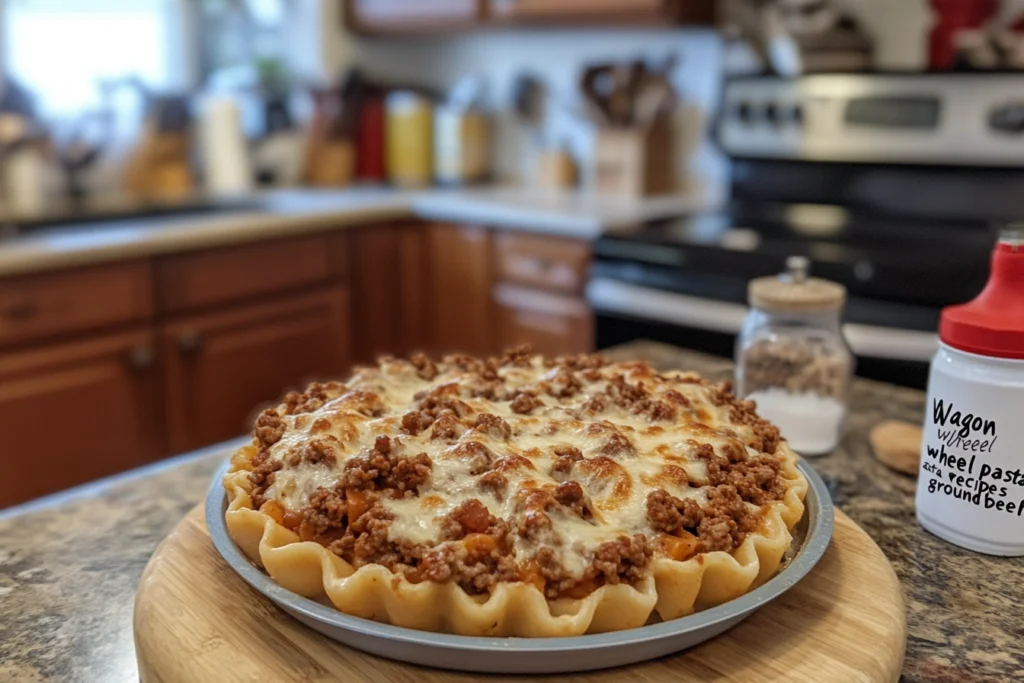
[993, 323]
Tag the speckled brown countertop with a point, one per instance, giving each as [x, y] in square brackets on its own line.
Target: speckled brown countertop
[69, 567]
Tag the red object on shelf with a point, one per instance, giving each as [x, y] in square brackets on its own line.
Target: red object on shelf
[370, 140]
[953, 16]
[993, 323]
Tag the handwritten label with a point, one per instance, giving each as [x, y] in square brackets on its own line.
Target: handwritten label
[956, 465]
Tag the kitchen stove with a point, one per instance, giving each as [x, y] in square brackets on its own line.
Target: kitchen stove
[893, 185]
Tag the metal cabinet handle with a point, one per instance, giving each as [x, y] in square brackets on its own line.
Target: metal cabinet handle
[141, 357]
[190, 341]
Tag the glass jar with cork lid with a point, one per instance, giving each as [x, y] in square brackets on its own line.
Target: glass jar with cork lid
[792, 359]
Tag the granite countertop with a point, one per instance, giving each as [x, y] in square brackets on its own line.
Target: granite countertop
[293, 212]
[69, 565]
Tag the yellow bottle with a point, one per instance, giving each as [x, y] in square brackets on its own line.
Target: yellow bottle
[409, 139]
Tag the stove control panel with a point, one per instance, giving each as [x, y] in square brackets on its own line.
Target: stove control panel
[961, 119]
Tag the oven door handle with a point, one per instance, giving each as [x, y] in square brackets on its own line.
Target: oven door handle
[611, 296]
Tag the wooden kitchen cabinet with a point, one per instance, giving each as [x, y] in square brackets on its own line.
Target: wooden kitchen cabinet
[51, 305]
[549, 263]
[603, 11]
[538, 293]
[227, 275]
[460, 280]
[552, 324]
[391, 311]
[411, 16]
[221, 367]
[74, 412]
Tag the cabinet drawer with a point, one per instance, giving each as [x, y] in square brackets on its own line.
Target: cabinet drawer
[552, 324]
[37, 306]
[552, 263]
[191, 281]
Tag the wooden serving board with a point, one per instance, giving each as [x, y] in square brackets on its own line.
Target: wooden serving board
[196, 620]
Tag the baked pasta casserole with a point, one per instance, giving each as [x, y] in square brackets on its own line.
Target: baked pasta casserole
[515, 496]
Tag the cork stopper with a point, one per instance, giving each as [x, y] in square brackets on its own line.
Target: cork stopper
[795, 292]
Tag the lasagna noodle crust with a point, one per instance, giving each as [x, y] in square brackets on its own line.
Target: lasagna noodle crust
[671, 589]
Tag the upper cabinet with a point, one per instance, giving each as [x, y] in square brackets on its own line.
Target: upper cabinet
[420, 16]
[603, 11]
[412, 16]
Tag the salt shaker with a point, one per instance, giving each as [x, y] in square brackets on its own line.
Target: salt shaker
[970, 486]
[792, 359]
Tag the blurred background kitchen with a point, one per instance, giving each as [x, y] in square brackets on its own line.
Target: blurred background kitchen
[204, 203]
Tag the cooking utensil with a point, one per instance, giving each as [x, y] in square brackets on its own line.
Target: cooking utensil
[595, 84]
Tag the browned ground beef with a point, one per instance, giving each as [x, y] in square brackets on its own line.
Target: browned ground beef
[569, 494]
[496, 482]
[757, 480]
[313, 398]
[564, 384]
[383, 470]
[531, 520]
[617, 445]
[416, 421]
[426, 369]
[262, 476]
[475, 572]
[493, 426]
[269, 428]
[525, 403]
[726, 520]
[315, 452]
[521, 356]
[476, 454]
[669, 514]
[567, 457]
[447, 427]
[327, 510]
[634, 398]
[622, 560]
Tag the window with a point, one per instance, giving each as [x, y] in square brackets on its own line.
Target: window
[61, 49]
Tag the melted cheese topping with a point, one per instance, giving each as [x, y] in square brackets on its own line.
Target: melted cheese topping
[659, 454]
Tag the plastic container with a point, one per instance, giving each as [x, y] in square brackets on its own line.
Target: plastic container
[792, 359]
[409, 139]
[461, 146]
[970, 487]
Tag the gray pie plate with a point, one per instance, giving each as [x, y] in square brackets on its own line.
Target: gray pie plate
[533, 655]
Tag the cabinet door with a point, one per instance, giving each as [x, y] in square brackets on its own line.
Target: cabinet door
[74, 412]
[551, 323]
[411, 16]
[388, 267]
[222, 367]
[461, 275]
[604, 11]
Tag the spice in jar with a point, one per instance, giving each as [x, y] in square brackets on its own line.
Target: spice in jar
[792, 359]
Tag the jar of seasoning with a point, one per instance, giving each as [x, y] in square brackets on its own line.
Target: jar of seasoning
[970, 488]
[792, 359]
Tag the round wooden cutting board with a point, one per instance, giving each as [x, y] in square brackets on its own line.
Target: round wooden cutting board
[196, 621]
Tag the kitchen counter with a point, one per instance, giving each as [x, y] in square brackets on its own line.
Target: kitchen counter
[69, 565]
[294, 212]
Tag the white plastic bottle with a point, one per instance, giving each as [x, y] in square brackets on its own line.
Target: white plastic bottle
[970, 487]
